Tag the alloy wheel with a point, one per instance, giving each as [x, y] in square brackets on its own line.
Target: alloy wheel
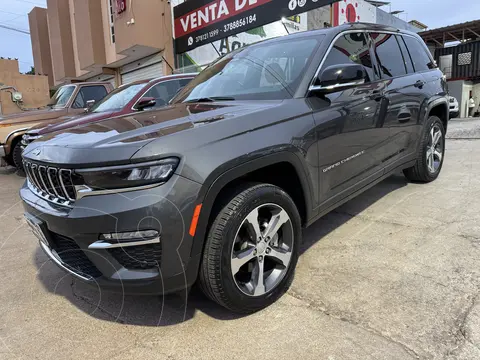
[435, 149]
[262, 250]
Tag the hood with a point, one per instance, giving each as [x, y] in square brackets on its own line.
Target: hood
[33, 116]
[116, 140]
[66, 122]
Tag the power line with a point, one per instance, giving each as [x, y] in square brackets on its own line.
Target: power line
[11, 13]
[15, 29]
[30, 2]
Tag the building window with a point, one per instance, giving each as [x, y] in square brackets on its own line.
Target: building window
[111, 13]
[465, 58]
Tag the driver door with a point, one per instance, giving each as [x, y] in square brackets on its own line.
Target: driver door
[349, 124]
[163, 92]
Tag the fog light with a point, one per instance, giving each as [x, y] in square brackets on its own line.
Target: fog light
[130, 236]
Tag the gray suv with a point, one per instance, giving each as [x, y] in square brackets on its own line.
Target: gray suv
[215, 187]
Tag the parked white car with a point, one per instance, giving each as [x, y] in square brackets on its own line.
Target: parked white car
[454, 110]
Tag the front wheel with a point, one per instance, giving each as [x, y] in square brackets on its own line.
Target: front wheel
[251, 250]
[17, 155]
[431, 153]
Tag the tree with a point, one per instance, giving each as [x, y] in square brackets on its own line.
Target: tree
[31, 72]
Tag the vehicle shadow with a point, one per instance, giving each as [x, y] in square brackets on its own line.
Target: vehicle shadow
[175, 309]
[10, 170]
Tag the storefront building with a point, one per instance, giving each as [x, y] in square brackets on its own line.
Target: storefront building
[126, 40]
[456, 49]
[109, 40]
[201, 35]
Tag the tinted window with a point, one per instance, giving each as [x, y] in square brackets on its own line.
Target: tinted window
[406, 55]
[272, 70]
[184, 82]
[118, 98]
[351, 49]
[389, 55]
[62, 96]
[163, 92]
[421, 59]
[88, 93]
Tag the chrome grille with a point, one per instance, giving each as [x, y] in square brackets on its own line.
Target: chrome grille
[51, 183]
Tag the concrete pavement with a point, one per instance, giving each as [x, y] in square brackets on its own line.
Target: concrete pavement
[393, 274]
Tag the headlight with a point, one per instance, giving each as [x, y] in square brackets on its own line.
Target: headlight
[29, 138]
[133, 175]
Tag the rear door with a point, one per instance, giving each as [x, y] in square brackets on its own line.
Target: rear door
[403, 94]
[350, 138]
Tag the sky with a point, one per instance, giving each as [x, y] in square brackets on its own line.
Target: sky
[14, 13]
[434, 13]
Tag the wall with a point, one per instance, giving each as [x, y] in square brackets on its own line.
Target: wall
[35, 88]
[111, 55]
[60, 34]
[455, 89]
[467, 87]
[317, 18]
[462, 71]
[87, 21]
[149, 32]
[42, 56]
[476, 95]
[385, 18]
[348, 11]
[76, 38]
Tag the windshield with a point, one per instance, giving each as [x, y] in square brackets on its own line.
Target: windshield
[61, 97]
[267, 71]
[118, 99]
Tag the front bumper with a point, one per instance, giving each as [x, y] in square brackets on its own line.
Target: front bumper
[130, 270]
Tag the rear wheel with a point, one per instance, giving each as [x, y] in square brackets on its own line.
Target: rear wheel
[251, 250]
[431, 153]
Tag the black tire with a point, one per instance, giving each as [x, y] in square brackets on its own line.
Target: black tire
[216, 278]
[17, 154]
[420, 171]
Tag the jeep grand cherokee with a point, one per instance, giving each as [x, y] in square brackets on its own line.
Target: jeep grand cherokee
[216, 187]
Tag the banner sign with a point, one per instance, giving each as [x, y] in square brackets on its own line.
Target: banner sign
[199, 22]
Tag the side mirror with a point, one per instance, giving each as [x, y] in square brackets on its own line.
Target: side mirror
[90, 104]
[145, 103]
[339, 77]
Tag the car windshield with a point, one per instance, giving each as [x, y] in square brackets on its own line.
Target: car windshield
[267, 71]
[118, 98]
[61, 96]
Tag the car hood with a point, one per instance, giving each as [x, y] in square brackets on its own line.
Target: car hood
[116, 140]
[66, 122]
[33, 116]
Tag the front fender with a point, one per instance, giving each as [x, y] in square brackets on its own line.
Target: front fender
[219, 179]
[10, 138]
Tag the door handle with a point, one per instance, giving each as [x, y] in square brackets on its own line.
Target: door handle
[404, 117]
[419, 84]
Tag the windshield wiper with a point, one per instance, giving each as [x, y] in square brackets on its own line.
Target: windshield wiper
[210, 99]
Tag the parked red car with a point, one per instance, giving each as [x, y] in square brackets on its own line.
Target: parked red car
[127, 99]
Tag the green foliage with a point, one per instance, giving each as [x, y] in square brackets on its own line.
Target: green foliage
[257, 31]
